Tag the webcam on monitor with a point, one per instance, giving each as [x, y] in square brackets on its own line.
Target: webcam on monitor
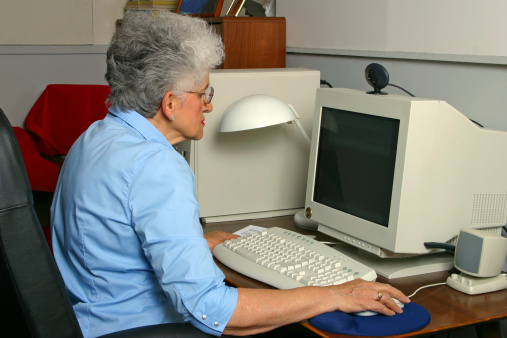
[377, 77]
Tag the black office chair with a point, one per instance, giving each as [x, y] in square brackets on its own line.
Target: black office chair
[33, 300]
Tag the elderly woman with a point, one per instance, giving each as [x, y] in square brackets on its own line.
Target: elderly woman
[126, 231]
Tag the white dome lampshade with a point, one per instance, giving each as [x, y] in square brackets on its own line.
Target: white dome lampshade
[255, 111]
[258, 111]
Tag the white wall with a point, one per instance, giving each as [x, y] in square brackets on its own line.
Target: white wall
[411, 28]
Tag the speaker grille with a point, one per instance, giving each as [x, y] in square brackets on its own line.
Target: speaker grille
[489, 209]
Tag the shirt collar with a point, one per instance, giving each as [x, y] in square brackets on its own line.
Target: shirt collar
[139, 123]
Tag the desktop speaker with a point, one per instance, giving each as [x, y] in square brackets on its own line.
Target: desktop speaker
[479, 253]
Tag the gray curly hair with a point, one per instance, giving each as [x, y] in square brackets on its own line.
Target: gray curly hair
[152, 54]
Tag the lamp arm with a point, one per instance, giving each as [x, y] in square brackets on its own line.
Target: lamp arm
[300, 127]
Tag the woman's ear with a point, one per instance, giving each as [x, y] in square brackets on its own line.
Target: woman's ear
[168, 104]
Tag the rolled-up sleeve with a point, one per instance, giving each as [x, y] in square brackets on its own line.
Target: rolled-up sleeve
[165, 213]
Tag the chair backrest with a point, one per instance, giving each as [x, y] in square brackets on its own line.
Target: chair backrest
[33, 300]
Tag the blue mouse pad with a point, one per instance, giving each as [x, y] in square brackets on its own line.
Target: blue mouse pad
[413, 318]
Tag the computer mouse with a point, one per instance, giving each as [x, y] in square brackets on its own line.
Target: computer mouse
[373, 313]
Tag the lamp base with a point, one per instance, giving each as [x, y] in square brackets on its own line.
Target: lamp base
[303, 222]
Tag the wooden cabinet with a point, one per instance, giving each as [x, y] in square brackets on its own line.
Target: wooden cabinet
[252, 42]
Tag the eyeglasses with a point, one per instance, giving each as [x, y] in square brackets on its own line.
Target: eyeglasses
[207, 94]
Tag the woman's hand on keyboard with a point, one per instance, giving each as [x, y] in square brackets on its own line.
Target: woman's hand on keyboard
[360, 295]
[218, 237]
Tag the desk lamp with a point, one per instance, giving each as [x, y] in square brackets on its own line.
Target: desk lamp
[259, 111]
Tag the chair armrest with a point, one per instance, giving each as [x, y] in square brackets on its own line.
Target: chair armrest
[171, 330]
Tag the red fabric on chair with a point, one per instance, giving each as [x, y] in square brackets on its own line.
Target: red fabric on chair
[63, 112]
[42, 173]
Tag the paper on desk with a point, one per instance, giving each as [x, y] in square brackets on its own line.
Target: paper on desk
[251, 229]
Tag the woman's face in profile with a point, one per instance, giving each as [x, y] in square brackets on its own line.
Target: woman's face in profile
[189, 118]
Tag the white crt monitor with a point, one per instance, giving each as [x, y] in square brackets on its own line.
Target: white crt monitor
[390, 173]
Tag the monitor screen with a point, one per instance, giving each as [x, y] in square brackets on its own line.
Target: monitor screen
[355, 163]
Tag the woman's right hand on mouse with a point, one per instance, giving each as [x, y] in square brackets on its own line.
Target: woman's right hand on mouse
[360, 295]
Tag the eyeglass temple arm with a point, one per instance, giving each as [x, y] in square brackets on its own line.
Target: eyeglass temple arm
[300, 127]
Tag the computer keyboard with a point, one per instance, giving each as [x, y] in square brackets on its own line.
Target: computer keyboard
[286, 259]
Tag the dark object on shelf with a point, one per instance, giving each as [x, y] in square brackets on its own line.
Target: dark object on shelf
[253, 8]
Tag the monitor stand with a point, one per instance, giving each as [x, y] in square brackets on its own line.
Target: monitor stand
[399, 267]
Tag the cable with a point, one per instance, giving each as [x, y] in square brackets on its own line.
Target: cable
[477, 123]
[435, 245]
[426, 286]
[324, 82]
[406, 91]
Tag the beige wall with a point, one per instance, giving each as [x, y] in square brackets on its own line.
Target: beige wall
[105, 14]
[59, 22]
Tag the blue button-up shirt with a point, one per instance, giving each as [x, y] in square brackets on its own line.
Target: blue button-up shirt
[126, 233]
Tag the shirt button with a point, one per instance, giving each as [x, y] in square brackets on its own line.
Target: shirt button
[216, 324]
[204, 317]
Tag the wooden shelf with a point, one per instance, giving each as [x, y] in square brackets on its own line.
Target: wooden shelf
[252, 42]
